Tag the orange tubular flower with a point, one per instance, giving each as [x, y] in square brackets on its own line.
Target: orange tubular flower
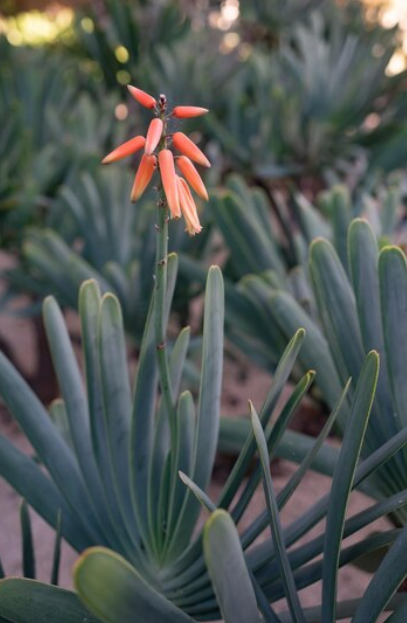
[143, 176]
[142, 97]
[187, 147]
[186, 112]
[169, 180]
[154, 133]
[127, 149]
[158, 153]
[188, 207]
[192, 176]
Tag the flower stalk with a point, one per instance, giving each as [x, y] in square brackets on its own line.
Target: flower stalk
[161, 279]
[161, 283]
[175, 200]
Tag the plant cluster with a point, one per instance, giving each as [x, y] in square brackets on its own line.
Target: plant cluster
[310, 79]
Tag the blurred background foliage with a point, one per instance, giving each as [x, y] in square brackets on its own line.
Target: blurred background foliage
[307, 132]
[303, 94]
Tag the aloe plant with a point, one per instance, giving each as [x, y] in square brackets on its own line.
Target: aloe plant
[238, 594]
[353, 302]
[273, 255]
[319, 80]
[55, 128]
[112, 588]
[112, 456]
[112, 471]
[134, 29]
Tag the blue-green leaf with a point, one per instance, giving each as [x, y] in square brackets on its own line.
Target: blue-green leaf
[228, 571]
[114, 591]
[28, 601]
[343, 480]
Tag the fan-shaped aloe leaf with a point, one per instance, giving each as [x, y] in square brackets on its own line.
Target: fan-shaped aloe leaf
[385, 582]
[89, 310]
[223, 553]
[207, 426]
[393, 289]
[28, 601]
[28, 561]
[70, 381]
[200, 495]
[363, 261]
[343, 480]
[49, 445]
[275, 522]
[144, 402]
[183, 455]
[336, 303]
[161, 446]
[116, 396]
[341, 214]
[211, 379]
[114, 591]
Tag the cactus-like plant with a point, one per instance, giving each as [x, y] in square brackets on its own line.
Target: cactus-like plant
[178, 588]
[350, 300]
[110, 457]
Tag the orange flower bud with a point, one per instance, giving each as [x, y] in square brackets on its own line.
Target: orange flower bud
[142, 97]
[186, 112]
[188, 207]
[169, 180]
[128, 148]
[192, 176]
[154, 133]
[184, 144]
[143, 176]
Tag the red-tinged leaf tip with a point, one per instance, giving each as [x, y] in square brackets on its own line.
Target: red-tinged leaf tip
[142, 97]
[192, 176]
[186, 112]
[188, 208]
[143, 176]
[154, 133]
[124, 150]
[187, 147]
[169, 180]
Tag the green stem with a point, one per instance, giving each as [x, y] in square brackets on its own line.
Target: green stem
[160, 320]
[160, 300]
[160, 332]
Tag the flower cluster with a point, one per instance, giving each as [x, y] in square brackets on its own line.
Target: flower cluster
[158, 155]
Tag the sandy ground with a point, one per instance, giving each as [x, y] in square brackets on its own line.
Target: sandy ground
[241, 382]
